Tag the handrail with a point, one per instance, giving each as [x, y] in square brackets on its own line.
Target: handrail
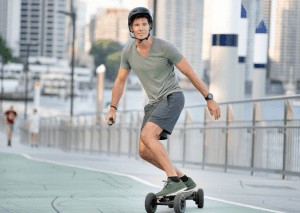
[282, 97]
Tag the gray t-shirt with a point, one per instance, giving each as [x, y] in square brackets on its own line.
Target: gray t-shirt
[156, 70]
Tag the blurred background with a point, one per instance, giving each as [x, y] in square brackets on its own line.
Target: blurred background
[40, 33]
[49, 45]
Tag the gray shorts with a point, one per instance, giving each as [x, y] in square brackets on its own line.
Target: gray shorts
[165, 113]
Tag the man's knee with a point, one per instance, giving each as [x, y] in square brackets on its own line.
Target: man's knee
[148, 134]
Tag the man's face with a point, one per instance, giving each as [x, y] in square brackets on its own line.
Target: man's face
[140, 28]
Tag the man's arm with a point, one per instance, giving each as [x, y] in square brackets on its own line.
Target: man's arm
[5, 117]
[117, 92]
[187, 70]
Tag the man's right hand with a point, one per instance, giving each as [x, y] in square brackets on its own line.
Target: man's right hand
[111, 114]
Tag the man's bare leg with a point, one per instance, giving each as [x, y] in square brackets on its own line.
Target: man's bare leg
[32, 139]
[147, 155]
[149, 138]
[36, 138]
[8, 134]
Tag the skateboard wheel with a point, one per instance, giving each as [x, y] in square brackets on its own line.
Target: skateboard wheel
[150, 203]
[200, 198]
[179, 203]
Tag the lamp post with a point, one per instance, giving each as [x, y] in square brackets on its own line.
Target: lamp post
[28, 45]
[73, 17]
[100, 89]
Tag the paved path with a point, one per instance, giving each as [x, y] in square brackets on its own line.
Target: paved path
[51, 180]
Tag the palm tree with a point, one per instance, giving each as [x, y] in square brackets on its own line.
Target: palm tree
[6, 55]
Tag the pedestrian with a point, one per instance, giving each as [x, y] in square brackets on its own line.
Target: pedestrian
[10, 117]
[153, 59]
[33, 125]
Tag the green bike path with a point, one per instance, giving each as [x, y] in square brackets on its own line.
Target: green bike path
[31, 186]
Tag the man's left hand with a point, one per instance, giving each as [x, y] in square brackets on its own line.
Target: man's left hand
[214, 109]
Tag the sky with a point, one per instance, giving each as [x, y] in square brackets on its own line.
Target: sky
[93, 5]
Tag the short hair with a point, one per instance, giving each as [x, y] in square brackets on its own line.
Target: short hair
[142, 15]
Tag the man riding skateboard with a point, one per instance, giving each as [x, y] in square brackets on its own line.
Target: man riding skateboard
[153, 59]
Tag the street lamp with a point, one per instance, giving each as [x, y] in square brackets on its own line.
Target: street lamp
[73, 16]
[28, 45]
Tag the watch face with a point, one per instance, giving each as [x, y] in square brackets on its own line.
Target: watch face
[210, 96]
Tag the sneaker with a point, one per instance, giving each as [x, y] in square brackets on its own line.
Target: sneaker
[171, 188]
[190, 185]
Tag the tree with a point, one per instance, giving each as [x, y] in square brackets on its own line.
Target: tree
[102, 48]
[6, 55]
[112, 65]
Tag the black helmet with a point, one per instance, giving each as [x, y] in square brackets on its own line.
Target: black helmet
[139, 11]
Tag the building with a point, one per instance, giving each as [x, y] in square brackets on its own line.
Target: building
[182, 24]
[10, 24]
[257, 11]
[41, 24]
[111, 24]
[285, 47]
[80, 9]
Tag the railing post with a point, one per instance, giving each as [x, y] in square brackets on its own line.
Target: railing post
[288, 116]
[101, 132]
[229, 118]
[226, 140]
[253, 135]
[130, 134]
[204, 131]
[186, 123]
[120, 132]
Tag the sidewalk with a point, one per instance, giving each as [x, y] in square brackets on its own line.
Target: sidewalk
[266, 193]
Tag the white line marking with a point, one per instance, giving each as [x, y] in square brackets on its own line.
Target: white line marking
[239, 204]
[143, 181]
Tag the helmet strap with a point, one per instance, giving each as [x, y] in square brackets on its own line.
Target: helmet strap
[141, 40]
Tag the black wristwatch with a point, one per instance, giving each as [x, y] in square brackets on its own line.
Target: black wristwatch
[209, 97]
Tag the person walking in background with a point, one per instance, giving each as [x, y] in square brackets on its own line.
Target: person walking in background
[153, 59]
[10, 117]
[33, 125]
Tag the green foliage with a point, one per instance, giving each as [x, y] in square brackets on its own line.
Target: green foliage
[101, 49]
[5, 51]
[112, 65]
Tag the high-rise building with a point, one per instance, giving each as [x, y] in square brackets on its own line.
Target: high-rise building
[10, 24]
[285, 49]
[80, 9]
[112, 24]
[41, 24]
[182, 24]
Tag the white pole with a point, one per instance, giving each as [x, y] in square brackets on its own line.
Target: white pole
[224, 51]
[100, 89]
[37, 95]
[260, 59]
[242, 53]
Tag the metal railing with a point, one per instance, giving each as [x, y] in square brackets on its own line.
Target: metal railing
[241, 141]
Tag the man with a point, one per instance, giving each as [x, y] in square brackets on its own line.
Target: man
[33, 125]
[153, 60]
[9, 117]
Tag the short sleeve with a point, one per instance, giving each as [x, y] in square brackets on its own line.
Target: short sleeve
[173, 54]
[124, 60]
